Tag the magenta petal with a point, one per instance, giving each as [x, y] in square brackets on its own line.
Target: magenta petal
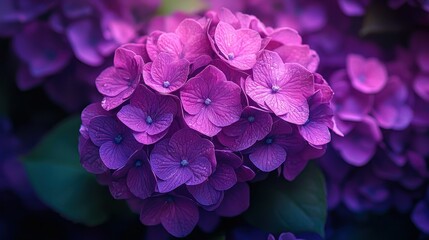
[367, 75]
[244, 174]
[119, 189]
[235, 201]
[315, 133]
[90, 158]
[145, 138]
[91, 111]
[210, 101]
[170, 43]
[205, 194]
[102, 129]
[111, 82]
[223, 178]
[352, 7]
[391, 108]
[238, 47]
[141, 181]
[253, 126]
[164, 165]
[166, 74]
[359, 145]
[84, 38]
[194, 39]
[165, 186]
[226, 104]
[301, 54]
[268, 157]
[123, 58]
[293, 167]
[151, 211]
[133, 117]
[316, 130]
[276, 85]
[113, 155]
[181, 218]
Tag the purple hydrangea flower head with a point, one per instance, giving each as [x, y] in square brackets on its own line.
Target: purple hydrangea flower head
[149, 115]
[117, 83]
[254, 125]
[237, 47]
[366, 75]
[140, 179]
[115, 140]
[185, 158]
[43, 50]
[177, 214]
[358, 145]
[274, 85]
[175, 137]
[210, 102]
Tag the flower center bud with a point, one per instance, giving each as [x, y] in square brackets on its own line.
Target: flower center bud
[251, 119]
[138, 163]
[230, 56]
[118, 139]
[149, 120]
[207, 101]
[166, 84]
[268, 140]
[275, 88]
[184, 163]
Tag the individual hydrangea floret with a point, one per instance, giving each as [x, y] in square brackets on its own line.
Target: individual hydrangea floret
[115, 140]
[117, 83]
[185, 158]
[237, 47]
[210, 101]
[149, 115]
[281, 87]
[367, 75]
[253, 126]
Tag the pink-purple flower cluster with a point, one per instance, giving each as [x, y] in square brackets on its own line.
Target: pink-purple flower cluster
[64, 44]
[190, 115]
[381, 162]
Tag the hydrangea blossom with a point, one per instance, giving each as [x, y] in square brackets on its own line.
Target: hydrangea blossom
[191, 110]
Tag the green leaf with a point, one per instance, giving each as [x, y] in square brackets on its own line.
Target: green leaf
[187, 6]
[60, 181]
[300, 206]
